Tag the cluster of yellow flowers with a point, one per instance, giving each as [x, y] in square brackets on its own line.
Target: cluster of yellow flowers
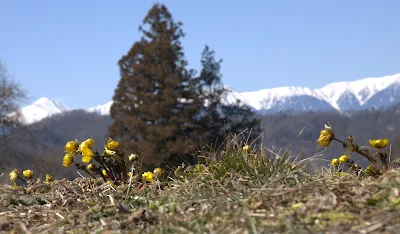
[111, 164]
[342, 159]
[14, 175]
[73, 147]
[327, 136]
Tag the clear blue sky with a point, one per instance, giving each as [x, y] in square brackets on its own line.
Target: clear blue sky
[68, 50]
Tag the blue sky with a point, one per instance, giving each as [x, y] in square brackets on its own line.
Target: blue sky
[68, 50]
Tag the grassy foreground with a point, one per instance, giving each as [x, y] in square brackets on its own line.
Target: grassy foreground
[240, 192]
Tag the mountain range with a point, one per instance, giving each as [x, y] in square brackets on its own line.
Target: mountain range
[367, 93]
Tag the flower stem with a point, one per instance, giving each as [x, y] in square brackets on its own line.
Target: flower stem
[356, 149]
[344, 143]
[83, 168]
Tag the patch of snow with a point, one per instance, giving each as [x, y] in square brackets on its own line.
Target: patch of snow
[41, 109]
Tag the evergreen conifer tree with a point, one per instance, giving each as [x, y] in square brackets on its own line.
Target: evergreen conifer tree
[154, 103]
[219, 117]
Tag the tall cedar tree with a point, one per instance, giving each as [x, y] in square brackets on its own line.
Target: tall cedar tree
[220, 118]
[154, 103]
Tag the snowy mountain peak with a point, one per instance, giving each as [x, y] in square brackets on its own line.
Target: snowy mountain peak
[265, 98]
[40, 109]
[102, 109]
[339, 96]
[362, 89]
[377, 92]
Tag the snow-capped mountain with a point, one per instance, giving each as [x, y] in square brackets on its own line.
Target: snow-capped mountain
[340, 96]
[101, 109]
[40, 109]
[366, 93]
[286, 99]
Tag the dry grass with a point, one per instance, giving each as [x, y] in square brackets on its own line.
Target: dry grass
[237, 193]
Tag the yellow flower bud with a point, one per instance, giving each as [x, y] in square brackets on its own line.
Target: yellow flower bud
[369, 170]
[148, 176]
[90, 166]
[67, 160]
[88, 144]
[28, 174]
[335, 162]
[13, 175]
[71, 147]
[133, 157]
[48, 179]
[325, 137]
[87, 155]
[158, 172]
[105, 173]
[344, 158]
[379, 143]
[111, 144]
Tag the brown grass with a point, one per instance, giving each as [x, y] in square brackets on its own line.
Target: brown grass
[238, 193]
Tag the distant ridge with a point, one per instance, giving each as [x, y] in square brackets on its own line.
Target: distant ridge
[368, 93]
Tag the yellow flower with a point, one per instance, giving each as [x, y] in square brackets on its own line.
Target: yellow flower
[87, 155]
[246, 148]
[105, 173]
[108, 153]
[335, 162]
[88, 144]
[133, 157]
[28, 174]
[13, 175]
[67, 160]
[344, 159]
[369, 170]
[48, 179]
[111, 145]
[90, 166]
[86, 150]
[130, 174]
[379, 143]
[158, 172]
[71, 147]
[325, 137]
[148, 176]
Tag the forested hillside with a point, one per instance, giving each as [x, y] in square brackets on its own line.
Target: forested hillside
[43, 149]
